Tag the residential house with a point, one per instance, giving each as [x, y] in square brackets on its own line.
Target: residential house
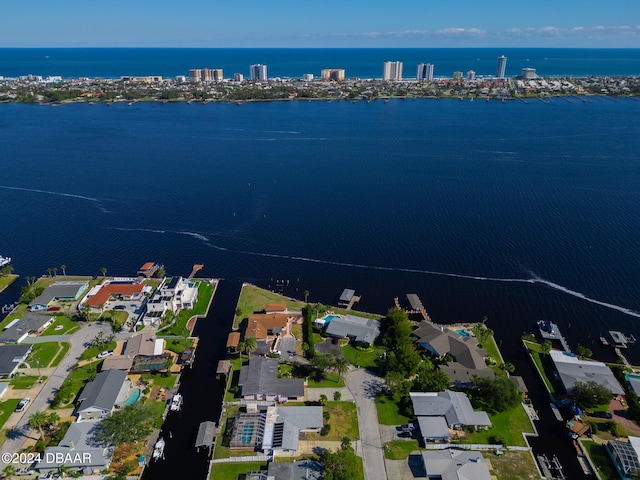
[268, 328]
[63, 291]
[100, 397]
[572, 370]
[145, 346]
[452, 464]
[356, 329]
[467, 358]
[173, 294]
[259, 381]
[625, 456]
[20, 328]
[437, 411]
[300, 470]
[78, 450]
[11, 357]
[119, 289]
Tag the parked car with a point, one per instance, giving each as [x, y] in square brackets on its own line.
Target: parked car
[106, 353]
[23, 404]
[606, 415]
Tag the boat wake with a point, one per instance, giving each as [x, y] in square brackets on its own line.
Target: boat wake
[96, 201]
[534, 279]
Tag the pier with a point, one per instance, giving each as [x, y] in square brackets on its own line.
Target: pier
[348, 298]
[551, 469]
[417, 307]
[196, 268]
[618, 339]
[550, 331]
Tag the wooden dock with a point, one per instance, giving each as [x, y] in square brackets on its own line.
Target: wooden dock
[416, 306]
[196, 268]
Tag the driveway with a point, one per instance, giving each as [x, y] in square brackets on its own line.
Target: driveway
[364, 386]
[78, 340]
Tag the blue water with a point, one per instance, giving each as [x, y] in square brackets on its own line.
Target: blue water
[328, 318]
[133, 397]
[462, 333]
[364, 63]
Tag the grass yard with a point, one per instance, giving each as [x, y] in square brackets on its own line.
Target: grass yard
[365, 358]
[253, 299]
[74, 382]
[179, 328]
[232, 471]
[492, 350]
[64, 349]
[388, 411]
[157, 407]
[44, 354]
[400, 449]
[62, 325]
[19, 312]
[178, 345]
[6, 409]
[23, 382]
[160, 380]
[92, 352]
[535, 352]
[513, 466]
[331, 380]
[296, 331]
[116, 317]
[343, 420]
[7, 280]
[507, 429]
[600, 459]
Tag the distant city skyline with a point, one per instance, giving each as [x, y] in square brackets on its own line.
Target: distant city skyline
[285, 23]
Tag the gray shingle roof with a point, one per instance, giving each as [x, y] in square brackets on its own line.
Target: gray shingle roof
[61, 290]
[295, 419]
[451, 464]
[79, 439]
[260, 377]
[29, 323]
[8, 355]
[454, 406]
[573, 370]
[206, 431]
[362, 329]
[103, 391]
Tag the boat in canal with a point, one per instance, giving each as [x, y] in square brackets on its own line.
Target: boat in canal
[158, 449]
[176, 403]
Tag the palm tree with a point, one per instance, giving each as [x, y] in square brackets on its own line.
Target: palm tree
[240, 350]
[55, 271]
[341, 366]
[64, 270]
[49, 271]
[103, 270]
[306, 296]
[9, 471]
[39, 420]
[250, 344]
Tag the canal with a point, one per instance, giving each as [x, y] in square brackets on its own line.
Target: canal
[201, 391]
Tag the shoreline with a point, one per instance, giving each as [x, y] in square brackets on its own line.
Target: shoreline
[12, 277]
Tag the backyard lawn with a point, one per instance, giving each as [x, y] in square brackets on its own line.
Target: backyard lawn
[514, 466]
[92, 352]
[600, 459]
[178, 345]
[160, 380]
[507, 429]
[536, 353]
[343, 420]
[62, 325]
[232, 471]
[388, 411]
[179, 328]
[253, 299]
[7, 280]
[6, 409]
[365, 358]
[400, 449]
[74, 382]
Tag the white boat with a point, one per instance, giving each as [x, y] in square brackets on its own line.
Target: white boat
[176, 403]
[158, 449]
[4, 261]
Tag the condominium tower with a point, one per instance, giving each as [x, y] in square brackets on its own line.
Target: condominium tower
[502, 66]
[205, 75]
[258, 72]
[336, 74]
[425, 72]
[392, 71]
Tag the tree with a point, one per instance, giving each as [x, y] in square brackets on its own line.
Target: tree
[131, 423]
[430, 378]
[6, 270]
[55, 271]
[337, 396]
[341, 366]
[395, 335]
[49, 271]
[482, 332]
[9, 470]
[590, 394]
[103, 270]
[545, 348]
[64, 270]
[39, 420]
[494, 394]
[161, 272]
[250, 345]
[508, 367]
[323, 399]
[341, 465]
[306, 296]
[583, 352]
[241, 349]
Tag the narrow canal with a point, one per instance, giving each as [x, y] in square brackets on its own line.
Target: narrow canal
[201, 391]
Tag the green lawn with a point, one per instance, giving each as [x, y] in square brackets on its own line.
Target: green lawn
[74, 382]
[330, 381]
[6, 409]
[343, 420]
[253, 299]
[91, 352]
[492, 350]
[23, 382]
[365, 358]
[536, 355]
[7, 280]
[600, 459]
[116, 317]
[68, 326]
[179, 328]
[513, 466]
[157, 408]
[44, 354]
[400, 449]
[160, 380]
[61, 354]
[388, 411]
[178, 345]
[232, 471]
[507, 429]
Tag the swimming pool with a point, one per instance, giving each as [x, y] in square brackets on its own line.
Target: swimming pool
[133, 397]
[328, 318]
[462, 333]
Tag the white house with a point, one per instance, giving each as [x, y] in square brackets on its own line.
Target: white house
[174, 295]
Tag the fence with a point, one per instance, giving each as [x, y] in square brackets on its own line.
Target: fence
[251, 458]
[464, 446]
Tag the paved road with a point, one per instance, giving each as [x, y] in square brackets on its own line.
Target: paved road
[364, 386]
[78, 344]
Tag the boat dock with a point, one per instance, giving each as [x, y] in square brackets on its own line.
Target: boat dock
[551, 469]
[417, 307]
[348, 298]
[196, 268]
[550, 331]
[618, 339]
[4, 261]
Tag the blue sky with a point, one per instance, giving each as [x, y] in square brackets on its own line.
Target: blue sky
[320, 23]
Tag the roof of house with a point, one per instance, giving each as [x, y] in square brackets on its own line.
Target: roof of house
[572, 370]
[147, 266]
[300, 470]
[260, 377]
[295, 419]
[275, 307]
[454, 406]
[205, 435]
[29, 323]
[433, 427]
[519, 383]
[8, 356]
[414, 301]
[259, 324]
[172, 283]
[62, 289]
[233, 339]
[112, 289]
[224, 366]
[362, 329]
[143, 344]
[102, 393]
[452, 464]
[347, 295]
[79, 439]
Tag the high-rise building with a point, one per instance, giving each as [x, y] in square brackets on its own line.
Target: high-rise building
[392, 71]
[205, 75]
[457, 75]
[502, 66]
[425, 72]
[238, 77]
[335, 74]
[471, 76]
[258, 72]
[529, 73]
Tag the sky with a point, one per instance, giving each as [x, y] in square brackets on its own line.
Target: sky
[320, 23]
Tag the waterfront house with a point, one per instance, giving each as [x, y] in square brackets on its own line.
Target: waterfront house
[300, 470]
[78, 450]
[63, 291]
[100, 397]
[452, 464]
[259, 381]
[20, 328]
[11, 357]
[572, 370]
[356, 329]
[119, 289]
[268, 328]
[145, 346]
[467, 359]
[173, 294]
